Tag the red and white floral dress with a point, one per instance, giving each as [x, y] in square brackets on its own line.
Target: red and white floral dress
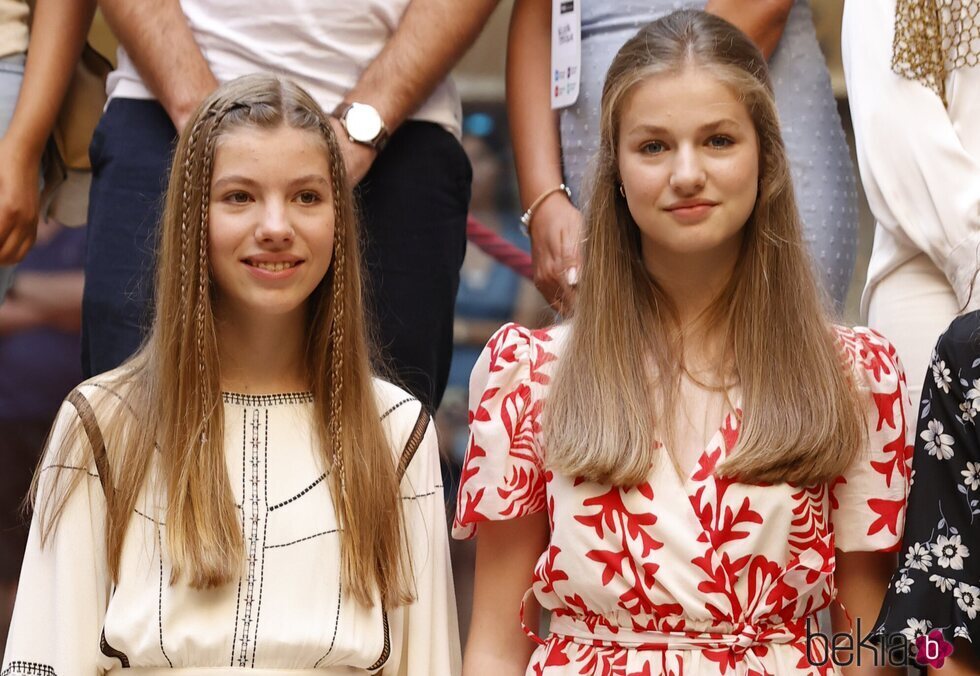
[704, 576]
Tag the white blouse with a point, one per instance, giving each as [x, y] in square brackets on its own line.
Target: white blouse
[287, 615]
[919, 159]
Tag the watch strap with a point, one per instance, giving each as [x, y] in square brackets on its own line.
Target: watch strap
[380, 139]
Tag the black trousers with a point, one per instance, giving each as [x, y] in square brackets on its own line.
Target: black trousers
[413, 206]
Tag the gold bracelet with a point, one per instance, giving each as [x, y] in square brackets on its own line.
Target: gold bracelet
[526, 217]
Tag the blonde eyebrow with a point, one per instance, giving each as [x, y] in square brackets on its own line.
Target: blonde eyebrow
[655, 130]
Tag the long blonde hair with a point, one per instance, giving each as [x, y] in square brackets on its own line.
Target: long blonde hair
[800, 417]
[173, 400]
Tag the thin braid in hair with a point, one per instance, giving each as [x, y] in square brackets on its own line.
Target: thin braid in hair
[203, 278]
[185, 216]
[337, 301]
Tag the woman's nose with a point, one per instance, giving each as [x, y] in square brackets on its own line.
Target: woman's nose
[275, 226]
[688, 175]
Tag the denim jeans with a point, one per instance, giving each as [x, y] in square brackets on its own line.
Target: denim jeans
[11, 76]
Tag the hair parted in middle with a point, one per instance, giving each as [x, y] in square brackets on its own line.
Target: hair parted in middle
[172, 385]
[800, 416]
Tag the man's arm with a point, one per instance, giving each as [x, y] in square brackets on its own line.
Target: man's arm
[158, 39]
[432, 36]
[57, 34]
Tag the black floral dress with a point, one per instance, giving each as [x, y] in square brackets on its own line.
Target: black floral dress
[937, 584]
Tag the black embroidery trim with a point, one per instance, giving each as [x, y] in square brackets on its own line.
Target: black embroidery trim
[422, 495]
[160, 600]
[300, 494]
[265, 535]
[308, 537]
[109, 651]
[238, 598]
[386, 650]
[252, 543]
[28, 669]
[264, 400]
[336, 622]
[149, 518]
[395, 407]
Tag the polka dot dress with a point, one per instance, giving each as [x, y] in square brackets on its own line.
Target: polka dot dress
[823, 176]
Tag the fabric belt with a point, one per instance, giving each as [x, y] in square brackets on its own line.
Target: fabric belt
[738, 637]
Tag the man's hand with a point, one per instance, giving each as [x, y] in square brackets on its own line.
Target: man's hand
[358, 157]
[18, 203]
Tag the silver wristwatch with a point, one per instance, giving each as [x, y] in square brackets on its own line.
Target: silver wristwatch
[363, 124]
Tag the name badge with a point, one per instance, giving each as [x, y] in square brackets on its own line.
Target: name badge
[566, 52]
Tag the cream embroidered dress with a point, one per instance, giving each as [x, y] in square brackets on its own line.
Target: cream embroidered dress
[704, 576]
[287, 615]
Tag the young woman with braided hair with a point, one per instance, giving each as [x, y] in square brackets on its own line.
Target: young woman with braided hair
[243, 496]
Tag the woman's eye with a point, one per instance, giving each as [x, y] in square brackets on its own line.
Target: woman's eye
[308, 197]
[653, 147]
[237, 197]
[720, 142]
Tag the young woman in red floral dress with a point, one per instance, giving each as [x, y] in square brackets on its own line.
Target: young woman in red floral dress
[699, 461]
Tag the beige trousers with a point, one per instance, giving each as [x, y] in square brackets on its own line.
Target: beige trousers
[911, 307]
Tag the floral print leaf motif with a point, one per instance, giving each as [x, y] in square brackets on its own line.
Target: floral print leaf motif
[614, 520]
[876, 358]
[809, 525]
[612, 563]
[888, 512]
[900, 451]
[467, 506]
[541, 359]
[524, 492]
[548, 573]
[481, 413]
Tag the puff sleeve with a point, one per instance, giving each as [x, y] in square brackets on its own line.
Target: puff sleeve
[503, 475]
[937, 584]
[64, 584]
[868, 501]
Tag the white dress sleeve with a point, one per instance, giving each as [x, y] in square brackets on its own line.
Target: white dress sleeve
[425, 634]
[64, 585]
[919, 176]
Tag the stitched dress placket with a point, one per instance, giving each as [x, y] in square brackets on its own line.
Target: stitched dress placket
[254, 507]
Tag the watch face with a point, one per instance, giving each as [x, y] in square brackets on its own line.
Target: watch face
[363, 122]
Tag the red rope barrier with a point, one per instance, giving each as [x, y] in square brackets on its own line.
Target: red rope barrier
[499, 248]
